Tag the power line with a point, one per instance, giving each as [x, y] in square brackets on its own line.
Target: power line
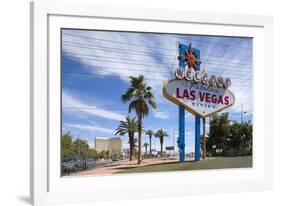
[136, 52]
[139, 64]
[108, 56]
[114, 50]
[101, 75]
[108, 108]
[111, 109]
[233, 75]
[124, 69]
[133, 44]
[208, 42]
[118, 42]
[118, 62]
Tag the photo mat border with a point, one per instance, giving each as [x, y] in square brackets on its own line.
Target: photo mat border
[42, 10]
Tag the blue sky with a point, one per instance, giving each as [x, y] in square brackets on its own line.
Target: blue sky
[96, 66]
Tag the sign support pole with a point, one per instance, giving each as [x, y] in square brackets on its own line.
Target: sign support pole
[181, 113]
[197, 138]
[197, 121]
[204, 138]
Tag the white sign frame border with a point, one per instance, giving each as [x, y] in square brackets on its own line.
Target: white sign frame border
[40, 10]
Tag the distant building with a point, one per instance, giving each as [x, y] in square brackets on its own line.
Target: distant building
[153, 151]
[111, 144]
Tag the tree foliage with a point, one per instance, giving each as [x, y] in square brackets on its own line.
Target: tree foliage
[161, 134]
[129, 126]
[145, 145]
[77, 149]
[81, 147]
[150, 133]
[229, 138]
[67, 145]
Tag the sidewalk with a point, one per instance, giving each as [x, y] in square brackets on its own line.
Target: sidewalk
[123, 165]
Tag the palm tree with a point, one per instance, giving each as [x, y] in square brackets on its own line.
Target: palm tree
[145, 146]
[150, 133]
[161, 134]
[129, 126]
[141, 97]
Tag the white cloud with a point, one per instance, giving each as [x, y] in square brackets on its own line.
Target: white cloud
[131, 63]
[139, 60]
[161, 115]
[243, 98]
[71, 104]
[89, 127]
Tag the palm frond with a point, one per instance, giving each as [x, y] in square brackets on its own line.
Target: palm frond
[145, 109]
[134, 106]
[127, 126]
[161, 133]
[149, 132]
[152, 103]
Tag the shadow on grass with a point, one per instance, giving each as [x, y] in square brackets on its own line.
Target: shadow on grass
[169, 163]
[124, 168]
[110, 165]
[214, 163]
[156, 164]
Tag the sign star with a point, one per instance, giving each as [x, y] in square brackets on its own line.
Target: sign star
[190, 58]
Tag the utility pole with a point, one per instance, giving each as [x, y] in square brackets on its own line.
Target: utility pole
[174, 140]
[242, 112]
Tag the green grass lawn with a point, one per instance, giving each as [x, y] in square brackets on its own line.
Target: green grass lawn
[214, 163]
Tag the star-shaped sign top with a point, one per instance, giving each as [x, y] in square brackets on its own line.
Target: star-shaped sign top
[190, 58]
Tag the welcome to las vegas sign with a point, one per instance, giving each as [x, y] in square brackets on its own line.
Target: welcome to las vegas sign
[198, 92]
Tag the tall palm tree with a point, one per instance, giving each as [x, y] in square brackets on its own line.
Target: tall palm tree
[140, 97]
[150, 133]
[145, 146]
[129, 126]
[161, 134]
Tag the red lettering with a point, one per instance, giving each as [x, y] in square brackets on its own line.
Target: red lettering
[192, 94]
[201, 95]
[185, 94]
[220, 100]
[177, 93]
[226, 100]
[207, 97]
[214, 99]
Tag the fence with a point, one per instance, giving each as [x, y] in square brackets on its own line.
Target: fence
[72, 165]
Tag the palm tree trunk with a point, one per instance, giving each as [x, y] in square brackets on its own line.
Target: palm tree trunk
[161, 149]
[139, 131]
[149, 146]
[131, 149]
